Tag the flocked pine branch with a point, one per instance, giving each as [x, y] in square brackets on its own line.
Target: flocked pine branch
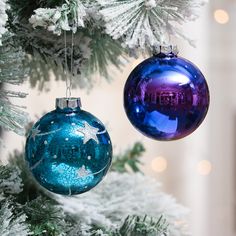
[11, 116]
[12, 58]
[123, 194]
[134, 24]
[12, 71]
[137, 23]
[146, 23]
[93, 52]
[10, 180]
[45, 217]
[137, 226]
[104, 53]
[68, 17]
[3, 18]
[11, 224]
[101, 211]
[30, 189]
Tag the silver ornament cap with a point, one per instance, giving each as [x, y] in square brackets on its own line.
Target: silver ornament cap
[72, 103]
[165, 49]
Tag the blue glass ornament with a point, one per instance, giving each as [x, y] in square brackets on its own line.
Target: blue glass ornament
[166, 97]
[68, 150]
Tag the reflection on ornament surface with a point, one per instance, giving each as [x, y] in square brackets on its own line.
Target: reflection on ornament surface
[68, 151]
[166, 97]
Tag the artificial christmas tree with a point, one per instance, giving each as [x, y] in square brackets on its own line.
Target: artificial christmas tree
[77, 39]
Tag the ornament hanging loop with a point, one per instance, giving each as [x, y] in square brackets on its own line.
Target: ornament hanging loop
[69, 78]
[165, 45]
[71, 61]
[167, 26]
[68, 92]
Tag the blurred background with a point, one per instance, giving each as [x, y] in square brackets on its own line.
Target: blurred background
[199, 170]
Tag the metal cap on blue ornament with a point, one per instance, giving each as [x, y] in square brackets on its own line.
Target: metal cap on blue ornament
[166, 97]
[68, 150]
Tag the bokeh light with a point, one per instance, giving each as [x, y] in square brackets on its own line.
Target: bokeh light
[221, 16]
[159, 164]
[204, 167]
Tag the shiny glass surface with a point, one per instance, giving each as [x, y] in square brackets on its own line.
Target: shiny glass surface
[68, 151]
[166, 97]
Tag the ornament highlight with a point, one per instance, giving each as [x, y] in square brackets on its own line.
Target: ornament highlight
[68, 150]
[166, 97]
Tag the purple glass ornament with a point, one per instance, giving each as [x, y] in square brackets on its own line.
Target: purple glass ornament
[166, 97]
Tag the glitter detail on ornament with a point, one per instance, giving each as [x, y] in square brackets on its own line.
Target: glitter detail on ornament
[61, 150]
[82, 172]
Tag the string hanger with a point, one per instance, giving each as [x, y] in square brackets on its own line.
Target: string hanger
[69, 77]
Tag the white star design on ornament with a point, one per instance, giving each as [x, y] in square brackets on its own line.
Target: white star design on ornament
[35, 132]
[82, 172]
[89, 132]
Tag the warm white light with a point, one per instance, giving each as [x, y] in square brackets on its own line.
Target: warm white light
[204, 167]
[221, 16]
[159, 164]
